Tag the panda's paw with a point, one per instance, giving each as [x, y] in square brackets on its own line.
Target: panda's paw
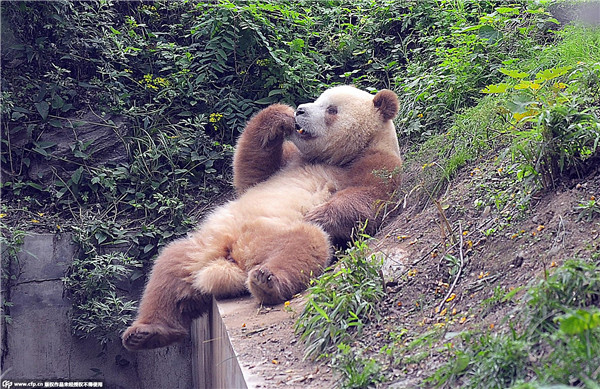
[277, 120]
[149, 336]
[266, 286]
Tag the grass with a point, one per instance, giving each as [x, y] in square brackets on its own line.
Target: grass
[342, 300]
[555, 340]
[580, 43]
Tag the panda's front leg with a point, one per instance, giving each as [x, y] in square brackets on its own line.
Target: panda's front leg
[261, 149]
[341, 215]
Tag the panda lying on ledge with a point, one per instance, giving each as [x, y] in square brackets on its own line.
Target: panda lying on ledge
[303, 179]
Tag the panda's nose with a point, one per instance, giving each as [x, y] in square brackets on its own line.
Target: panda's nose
[300, 111]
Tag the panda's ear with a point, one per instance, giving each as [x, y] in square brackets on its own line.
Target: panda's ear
[386, 103]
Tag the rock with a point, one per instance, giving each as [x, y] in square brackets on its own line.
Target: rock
[90, 140]
[394, 264]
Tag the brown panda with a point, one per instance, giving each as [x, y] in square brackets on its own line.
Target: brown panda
[303, 180]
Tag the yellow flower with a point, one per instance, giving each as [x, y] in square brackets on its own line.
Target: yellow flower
[161, 81]
[35, 221]
[420, 115]
[215, 117]
[2, 215]
[286, 304]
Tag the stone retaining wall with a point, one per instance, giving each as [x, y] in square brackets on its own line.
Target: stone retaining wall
[39, 344]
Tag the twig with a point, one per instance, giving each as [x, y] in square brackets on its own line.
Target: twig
[444, 223]
[462, 261]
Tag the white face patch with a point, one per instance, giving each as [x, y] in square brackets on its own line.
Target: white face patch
[342, 116]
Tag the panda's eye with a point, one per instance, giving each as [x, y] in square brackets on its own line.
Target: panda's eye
[332, 110]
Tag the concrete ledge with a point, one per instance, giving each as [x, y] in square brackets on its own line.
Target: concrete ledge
[242, 345]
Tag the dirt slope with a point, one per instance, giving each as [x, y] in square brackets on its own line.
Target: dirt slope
[502, 248]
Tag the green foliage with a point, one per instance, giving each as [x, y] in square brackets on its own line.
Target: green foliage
[92, 284]
[357, 372]
[554, 341]
[551, 130]
[458, 53]
[342, 300]
[11, 240]
[588, 209]
[575, 285]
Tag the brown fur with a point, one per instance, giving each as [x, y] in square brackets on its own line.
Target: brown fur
[295, 196]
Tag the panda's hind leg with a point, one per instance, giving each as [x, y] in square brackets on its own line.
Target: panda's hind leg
[223, 277]
[291, 258]
[170, 301]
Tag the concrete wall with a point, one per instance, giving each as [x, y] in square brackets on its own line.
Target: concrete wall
[215, 363]
[39, 344]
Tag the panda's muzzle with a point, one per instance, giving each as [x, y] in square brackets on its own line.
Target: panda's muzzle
[302, 132]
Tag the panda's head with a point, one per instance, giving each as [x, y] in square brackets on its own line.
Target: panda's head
[342, 122]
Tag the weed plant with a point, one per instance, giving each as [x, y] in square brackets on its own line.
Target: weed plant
[554, 341]
[342, 301]
[356, 371]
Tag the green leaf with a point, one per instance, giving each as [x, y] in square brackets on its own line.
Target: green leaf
[496, 88]
[579, 321]
[100, 237]
[507, 10]
[57, 102]
[87, 85]
[470, 28]
[297, 44]
[80, 154]
[320, 310]
[513, 73]
[553, 73]
[40, 147]
[490, 33]
[265, 100]
[520, 104]
[22, 110]
[76, 177]
[55, 123]
[35, 186]
[43, 107]
[461, 362]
